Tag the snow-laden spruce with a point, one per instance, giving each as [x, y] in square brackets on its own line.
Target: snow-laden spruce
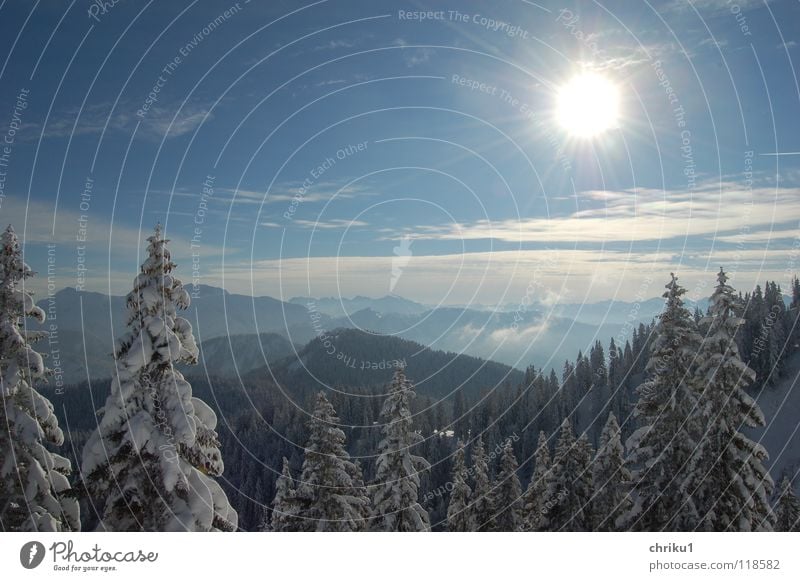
[363, 500]
[533, 500]
[328, 493]
[396, 488]
[285, 507]
[507, 493]
[567, 499]
[582, 485]
[34, 490]
[481, 501]
[152, 459]
[459, 517]
[611, 479]
[660, 449]
[734, 486]
[787, 510]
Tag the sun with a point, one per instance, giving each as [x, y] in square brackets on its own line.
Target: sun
[588, 105]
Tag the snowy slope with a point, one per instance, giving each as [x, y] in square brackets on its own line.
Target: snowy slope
[781, 436]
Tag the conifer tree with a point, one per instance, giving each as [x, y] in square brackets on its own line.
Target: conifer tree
[34, 490]
[792, 314]
[787, 510]
[582, 484]
[363, 501]
[734, 486]
[397, 475]
[537, 488]
[568, 484]
[327, 492]
[507, 492]
[264, 524]
[660, 449]
[481, 502]
[611, 479]
[459, 517]
[285, 506]
[152, 459]
[617, 380]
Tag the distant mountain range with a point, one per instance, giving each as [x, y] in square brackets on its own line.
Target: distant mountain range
[242, 329]
[88, 324]
[344, 307]
[238, 355]
[353, 359]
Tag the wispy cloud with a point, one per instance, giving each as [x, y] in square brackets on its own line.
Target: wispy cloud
[39, 223]
[165, 122]
[615, 56]
[642, 215]
[335, 44]
[99, 118]
[329, 82]
[288, 192]
[711, 7]
[334, 224]
[492, 277]
[416, 57]
[713, 42]
[412, 56]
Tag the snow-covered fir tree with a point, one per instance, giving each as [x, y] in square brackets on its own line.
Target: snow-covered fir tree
[397, 475]
[582, 485]
[734, 486]
[533, 501]
[34, 490]
[507, 493]
[459, 517]
[264, 524]
[327, 493]
[285, 506]
[611, 479]
[787, 509]
[660, 449]
[363, 500]
[481, 501]
[568, 492]
[152, 460]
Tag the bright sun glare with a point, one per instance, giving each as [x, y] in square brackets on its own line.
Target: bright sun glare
[587, 105]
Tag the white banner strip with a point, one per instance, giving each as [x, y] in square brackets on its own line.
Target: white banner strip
[348, 556]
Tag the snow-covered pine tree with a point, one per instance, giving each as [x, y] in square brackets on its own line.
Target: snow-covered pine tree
[611, 479]
[568, 485]
[660, 449]
[533, 501]
[397, 475]
[507, 492]
[459, 517]
[787, 510]
[327, 492]
[582, 485]
[34, 490]
[152, 459]
[733, 487]
[264, 524]
[481, 501]
[364, 502]
[776, 345]
[285, 506]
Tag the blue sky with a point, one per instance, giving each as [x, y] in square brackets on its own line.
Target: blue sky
[382, 127]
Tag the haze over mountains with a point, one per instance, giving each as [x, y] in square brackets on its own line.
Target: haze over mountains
[88, 323]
